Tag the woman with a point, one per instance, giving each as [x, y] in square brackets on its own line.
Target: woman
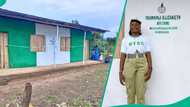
[135, 63]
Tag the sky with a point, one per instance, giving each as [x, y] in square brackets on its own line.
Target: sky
[105, 14]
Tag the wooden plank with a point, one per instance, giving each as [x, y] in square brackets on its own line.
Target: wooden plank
[37, 43]
[4, 50]
[27, 95]
[62, 44]
[86, 49]
[1, 51]
[67, 44]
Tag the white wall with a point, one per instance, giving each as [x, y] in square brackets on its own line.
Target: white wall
[52, 54]
[170, 80]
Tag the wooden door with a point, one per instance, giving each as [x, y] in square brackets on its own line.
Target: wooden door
[3, 50]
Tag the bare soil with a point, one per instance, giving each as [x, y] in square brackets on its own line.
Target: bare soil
[84, 83]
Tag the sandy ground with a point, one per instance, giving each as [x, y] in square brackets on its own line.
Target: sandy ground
[68, 86]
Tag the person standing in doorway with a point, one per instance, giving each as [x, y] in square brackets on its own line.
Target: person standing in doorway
[135, 63]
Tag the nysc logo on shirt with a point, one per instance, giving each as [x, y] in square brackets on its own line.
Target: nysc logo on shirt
[136, 43]
[2, 2]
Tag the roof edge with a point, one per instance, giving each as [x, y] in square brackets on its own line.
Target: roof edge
[41, 20]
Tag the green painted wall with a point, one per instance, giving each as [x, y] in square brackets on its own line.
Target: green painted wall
[77, 44]
[77, 37]
[19, 42]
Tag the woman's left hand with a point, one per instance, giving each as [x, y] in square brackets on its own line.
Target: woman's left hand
[148, 74]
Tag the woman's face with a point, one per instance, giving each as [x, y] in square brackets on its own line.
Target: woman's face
[135, 27]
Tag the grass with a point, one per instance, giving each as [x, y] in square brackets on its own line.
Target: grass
[51, 99]
[79, 102]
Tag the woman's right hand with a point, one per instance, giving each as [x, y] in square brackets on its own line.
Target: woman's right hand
[122, 78]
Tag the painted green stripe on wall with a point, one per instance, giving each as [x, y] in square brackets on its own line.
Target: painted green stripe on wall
[19, 42]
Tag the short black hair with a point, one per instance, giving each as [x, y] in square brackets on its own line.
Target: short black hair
[134, 20]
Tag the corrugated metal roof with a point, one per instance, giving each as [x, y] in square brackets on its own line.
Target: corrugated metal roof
[36, 19]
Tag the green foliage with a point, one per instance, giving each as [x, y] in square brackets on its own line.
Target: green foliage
[52, 99]
[105, 45]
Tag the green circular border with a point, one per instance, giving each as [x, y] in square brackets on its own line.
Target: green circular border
[2, 2]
